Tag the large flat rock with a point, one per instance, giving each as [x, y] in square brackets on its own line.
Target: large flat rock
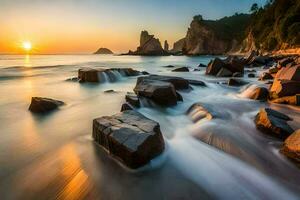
[130, 137]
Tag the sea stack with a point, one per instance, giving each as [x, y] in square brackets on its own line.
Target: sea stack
[149, 45]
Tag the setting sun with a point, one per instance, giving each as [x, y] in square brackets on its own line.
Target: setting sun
[27, 45]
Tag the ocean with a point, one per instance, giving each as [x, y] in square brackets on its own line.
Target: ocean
[53, 156]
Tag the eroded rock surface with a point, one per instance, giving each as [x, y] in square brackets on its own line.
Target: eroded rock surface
[130, 137]
[291, 146]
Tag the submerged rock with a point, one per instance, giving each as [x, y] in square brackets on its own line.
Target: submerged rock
[130, 137]
[43, 105]
[273, 122]
[181, 69]
[202, 65]
[291, 146]
[198, 112]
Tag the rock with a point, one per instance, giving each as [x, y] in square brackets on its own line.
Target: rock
[266, 76]
[251, 75]
[126, 106]
[251, 56]
[43, 105]
[177, 46]
[161, 92]
[197, 83]
[178, 82]
[291, 146]
[145, 73]
[291, 100]
[215, 66]
[132, 99]
[74, 79]
[149, 45]
[103, 51]
[224, 73]
[259, 61]
[201, 65]
[197, 112]
[237, 74]
[130, 137]
[281, 88]
[285, 61]
[236, 82]
[273, 70]
[181, 69]
[274, 123]
[259, 93]
[109, 91]
[225, 68]
[169, 66]
[166, 46]
[104, 74]
[289, 73]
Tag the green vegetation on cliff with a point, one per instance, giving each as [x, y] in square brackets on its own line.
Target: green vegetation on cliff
[276, 25]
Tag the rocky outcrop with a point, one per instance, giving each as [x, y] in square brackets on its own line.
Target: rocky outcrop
[149, 45]
[43, 105]
[214, 37]
[166, 46]
[225, 68]
[178, 45]
[273, 122]
[129, 137]
[291, 146]
[161, 89]
[282, 88]
[236, 82]
[101, 75]
[103, 51]
[259, 93]
[291, 100]
[132, 99]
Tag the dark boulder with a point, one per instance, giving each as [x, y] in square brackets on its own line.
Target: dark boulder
[178, 82]
[215, 66]
[169, 66]
[236, 82]
[181, 69]
[132, 99]
[202, 65]
[126, 106]
[259, 93]
[251, 75]
[291, 146]
[273, 122]
[130, 137]
[197, 83]
[109, 91]
[266, 76]
[224, 72]
[43, 105]
[162, 93]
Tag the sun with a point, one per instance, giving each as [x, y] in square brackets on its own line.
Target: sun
[27, 45]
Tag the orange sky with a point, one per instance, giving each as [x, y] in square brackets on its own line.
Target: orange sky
[83, 26]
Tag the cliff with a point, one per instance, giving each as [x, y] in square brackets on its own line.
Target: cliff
[149, 45]
[276, 26]
[215, 37]
[103, 51]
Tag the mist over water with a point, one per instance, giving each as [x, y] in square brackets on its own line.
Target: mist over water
[53, 156]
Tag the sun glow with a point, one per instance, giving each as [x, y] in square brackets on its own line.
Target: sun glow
[27, 45]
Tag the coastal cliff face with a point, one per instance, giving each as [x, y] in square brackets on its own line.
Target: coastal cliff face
[215, 37]
[149, 45]
[178, 45]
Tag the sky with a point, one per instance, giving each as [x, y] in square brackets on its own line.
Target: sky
[83, 26]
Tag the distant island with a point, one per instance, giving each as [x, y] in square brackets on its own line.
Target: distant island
[103, 51]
